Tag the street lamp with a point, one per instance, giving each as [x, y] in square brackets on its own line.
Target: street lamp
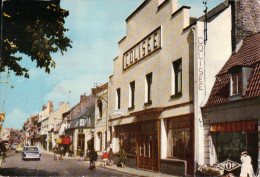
[7, 82]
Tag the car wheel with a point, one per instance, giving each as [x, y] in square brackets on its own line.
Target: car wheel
[39, 159]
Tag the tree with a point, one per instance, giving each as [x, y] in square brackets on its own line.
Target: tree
[35, 28]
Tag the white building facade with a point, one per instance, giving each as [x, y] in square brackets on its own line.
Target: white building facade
[151, 91]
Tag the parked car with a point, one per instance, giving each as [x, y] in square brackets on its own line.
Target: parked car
[19, 148]
[31, 152]
[13, 146]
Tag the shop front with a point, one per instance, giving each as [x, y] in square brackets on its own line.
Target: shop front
[147, 145]
[140, 142]
[233, 138]
[180, 141]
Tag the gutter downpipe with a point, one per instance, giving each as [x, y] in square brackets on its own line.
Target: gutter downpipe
[195, 101]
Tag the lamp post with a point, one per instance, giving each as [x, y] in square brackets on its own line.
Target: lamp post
[7, 82]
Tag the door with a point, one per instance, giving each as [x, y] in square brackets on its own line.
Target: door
[81, 143]
[252, 148]
[99, 141]
[147, 154]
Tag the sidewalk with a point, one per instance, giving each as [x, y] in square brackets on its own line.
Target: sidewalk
[126, 170]
[131, 171]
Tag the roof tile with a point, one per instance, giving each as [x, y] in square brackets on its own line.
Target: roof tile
[247, 55]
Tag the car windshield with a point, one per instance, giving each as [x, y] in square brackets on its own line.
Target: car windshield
[31, 148]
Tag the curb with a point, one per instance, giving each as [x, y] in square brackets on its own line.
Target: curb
[64, 157]
[122, 172]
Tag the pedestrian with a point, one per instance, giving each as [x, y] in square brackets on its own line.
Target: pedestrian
[61, 152]
[87, 155]
[105, 158]
[93, 159]
[246, 167]
[110, 157]
[55, 150]
[122, 159]
[81, 154]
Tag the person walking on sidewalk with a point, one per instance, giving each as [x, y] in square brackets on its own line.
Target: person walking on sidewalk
[61, 152]
[88, 155]
[55, 150]
[93, 159]
[110, 157]
[81, 154]
[105, 158]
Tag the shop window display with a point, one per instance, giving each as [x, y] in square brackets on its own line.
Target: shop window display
[127, 138]
[179, 138]
[229, 145]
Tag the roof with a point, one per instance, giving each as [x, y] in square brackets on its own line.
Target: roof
[248, 55]
[86, 112]
[102, 87]
[66, 113]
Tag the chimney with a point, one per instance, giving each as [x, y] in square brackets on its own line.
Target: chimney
[50, 107]
[43, 107]
[94, 91]
[83, 98]
[245, 19]
[61, 104]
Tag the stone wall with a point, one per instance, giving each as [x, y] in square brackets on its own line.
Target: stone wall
[245, 19]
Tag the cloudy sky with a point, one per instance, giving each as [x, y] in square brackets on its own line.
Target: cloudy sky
[95, 27]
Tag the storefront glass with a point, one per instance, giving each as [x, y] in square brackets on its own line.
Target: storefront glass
[127, 137]
[179, 138]
[229, 145]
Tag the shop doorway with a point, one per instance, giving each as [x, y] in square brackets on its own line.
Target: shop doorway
[81, 143]
[99, 141]
[147, 156]
[252, 148]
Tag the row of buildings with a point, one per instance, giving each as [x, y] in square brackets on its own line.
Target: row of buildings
[11, 136]
[184, 92]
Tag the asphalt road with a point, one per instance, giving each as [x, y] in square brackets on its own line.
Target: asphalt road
[13, 165]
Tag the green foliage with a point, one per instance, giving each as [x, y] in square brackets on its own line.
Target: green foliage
[34, 28]
[122, 156]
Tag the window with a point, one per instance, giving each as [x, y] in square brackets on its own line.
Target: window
[127, 137]
[81, 122]
[100, 108]
[229, 145]
[118, 98]
[236, 83]
[177, 77]
[148, 99]
[132, 95]
[179, 138]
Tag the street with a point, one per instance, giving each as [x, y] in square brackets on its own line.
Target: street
[13, 165]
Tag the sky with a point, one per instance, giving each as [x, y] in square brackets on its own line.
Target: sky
[95, 27]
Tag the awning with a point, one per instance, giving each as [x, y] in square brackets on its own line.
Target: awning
[233, 126]
[66, 141]
[59, 141]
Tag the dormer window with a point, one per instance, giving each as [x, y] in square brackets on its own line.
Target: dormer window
[239, 77]
[236, 83]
